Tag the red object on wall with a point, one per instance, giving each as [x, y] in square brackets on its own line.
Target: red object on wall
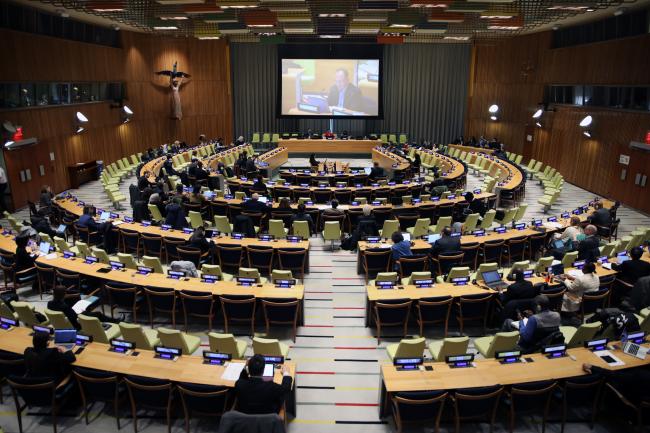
[18, 135]
[647, 137]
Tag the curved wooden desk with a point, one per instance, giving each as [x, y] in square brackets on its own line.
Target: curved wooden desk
[463, 148]
[388, 160]
[321, 146]
[490, 372]
[73, 207]
[187, 369]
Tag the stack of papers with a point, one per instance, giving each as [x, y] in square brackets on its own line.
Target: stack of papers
[575, 273]
[553, 225]
[233, 371]
[118, 222]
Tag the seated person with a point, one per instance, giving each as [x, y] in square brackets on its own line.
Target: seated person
[200, 173]
[400, 248]
[586, 282]
[255, 205]
[313, 162]
[329, 135]
[367, 224]
[588, 248]
[376, 171]
[41, 223]
[103, 229]
[302, 215]
[258, 396]
[44, 361]
[520, 289]
[23, 258]
[601, 216]
[199, 241]
[168, 165]
[334, 211]
[175, 214]
[157, 201]
[475, 205]
[344, 135]
[259, 185]
[195, 197]
[633, 269]
[537, 327]
[58, 303]
[446, 244]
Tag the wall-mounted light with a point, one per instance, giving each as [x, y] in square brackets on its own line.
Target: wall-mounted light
[537, 115]
[126, 113]
[493, 110]
[585, 124]
[80, 122]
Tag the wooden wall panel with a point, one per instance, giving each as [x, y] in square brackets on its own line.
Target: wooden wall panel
[207, 105]
[512, 73]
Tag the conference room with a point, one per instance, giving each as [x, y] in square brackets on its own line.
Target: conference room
[308, 216]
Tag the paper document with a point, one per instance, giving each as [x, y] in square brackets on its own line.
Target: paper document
[575, 273]
[117, 222]
[268, 370]
[516, 324]
[607, 266]
[50, 256]
[81, 306]
[609, 358]
[553, 225]
[233, 371]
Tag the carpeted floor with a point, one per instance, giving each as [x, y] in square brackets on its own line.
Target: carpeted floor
[337, 357]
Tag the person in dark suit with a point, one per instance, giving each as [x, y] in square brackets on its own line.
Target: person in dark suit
[601, 216]
[446, 244]
[376, 172]
[259, 185]
[520, 289]
[313, 162]
[255, 205]
[43, 361]
[632, 270]
[367, 224]
[175, 215]
[475, 205]
[258, 396]
[250, 165]
[58, 303]
[344, 94]
[168, 165]
[334, 211]
[588, 247]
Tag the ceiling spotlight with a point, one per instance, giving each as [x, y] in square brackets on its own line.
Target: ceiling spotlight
[586, 134]
[494, 118]
[538, 124]
[493, 108]
[127, 113]
[556, 28]
[62, 13]
[620, 11]
[115, 27]
[538, 113]
[80, 122]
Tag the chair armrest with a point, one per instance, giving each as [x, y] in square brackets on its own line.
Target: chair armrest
[64, 382]
[25, 271]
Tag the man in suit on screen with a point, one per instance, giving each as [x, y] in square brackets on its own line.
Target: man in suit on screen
[345, 94]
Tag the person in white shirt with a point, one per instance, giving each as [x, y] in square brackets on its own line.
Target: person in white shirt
[3, 188]
[573, 231]
[577, 286]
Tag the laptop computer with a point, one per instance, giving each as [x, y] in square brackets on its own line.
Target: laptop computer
[65, 338]
[44, 248]
[104, 216]
[493, 280]
[406, 236]
[558, 244]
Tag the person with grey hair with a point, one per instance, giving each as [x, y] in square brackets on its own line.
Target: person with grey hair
[367, 224]
[588, 247]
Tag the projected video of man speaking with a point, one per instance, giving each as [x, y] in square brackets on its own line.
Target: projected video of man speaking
[330, 87]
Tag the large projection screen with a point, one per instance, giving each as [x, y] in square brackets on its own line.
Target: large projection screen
[330, 87]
